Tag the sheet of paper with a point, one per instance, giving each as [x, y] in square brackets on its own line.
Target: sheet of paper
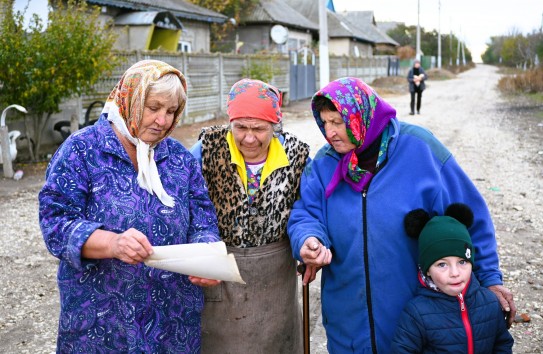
[204, 260]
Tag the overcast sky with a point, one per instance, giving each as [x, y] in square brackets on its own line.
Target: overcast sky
[474, 21]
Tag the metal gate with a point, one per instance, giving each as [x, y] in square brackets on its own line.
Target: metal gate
[302, 74]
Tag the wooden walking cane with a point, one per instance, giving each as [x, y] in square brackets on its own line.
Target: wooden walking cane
[305, 302]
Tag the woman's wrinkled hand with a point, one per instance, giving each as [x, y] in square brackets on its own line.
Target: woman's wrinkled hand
[505, 297]
[203, 281]
[314, 253]
[131, 246]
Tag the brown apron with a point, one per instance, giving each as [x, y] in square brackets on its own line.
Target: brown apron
[262, 316]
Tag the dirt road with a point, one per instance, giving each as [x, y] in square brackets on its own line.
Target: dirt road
[496, 141]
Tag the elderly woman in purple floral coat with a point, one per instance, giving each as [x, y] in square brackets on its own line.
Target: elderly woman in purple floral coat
[112, 192]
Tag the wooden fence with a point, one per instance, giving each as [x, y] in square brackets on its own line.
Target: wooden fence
[210, 76]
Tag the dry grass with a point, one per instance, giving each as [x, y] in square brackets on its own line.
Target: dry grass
[440, 74]
[390, 85]
[530, 81]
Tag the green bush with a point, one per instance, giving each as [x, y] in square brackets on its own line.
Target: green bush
[258, 71]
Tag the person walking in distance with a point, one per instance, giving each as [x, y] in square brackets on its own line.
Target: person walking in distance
[416, 78]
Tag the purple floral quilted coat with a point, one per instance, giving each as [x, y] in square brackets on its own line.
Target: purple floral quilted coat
[107, 305]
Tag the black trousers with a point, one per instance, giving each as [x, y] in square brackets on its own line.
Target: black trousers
[419, 98]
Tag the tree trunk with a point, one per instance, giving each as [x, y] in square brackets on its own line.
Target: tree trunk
[30, 142]
[39, 123]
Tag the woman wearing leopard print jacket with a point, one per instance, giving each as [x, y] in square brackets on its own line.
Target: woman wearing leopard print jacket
[253, 173]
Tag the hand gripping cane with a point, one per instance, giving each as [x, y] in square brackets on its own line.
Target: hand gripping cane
[305, 300]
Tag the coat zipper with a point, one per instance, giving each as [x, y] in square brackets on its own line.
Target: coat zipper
[465, 321]
[367, 274]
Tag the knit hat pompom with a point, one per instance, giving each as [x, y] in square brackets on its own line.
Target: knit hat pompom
[441, 236]
[460, 212]
[415, 221]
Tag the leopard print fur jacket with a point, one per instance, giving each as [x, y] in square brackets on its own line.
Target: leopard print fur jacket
[265, 220]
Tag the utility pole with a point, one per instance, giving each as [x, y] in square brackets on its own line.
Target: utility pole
[418, 55]
[458, 52]
[450, 48]
[324, 62]
[439, 35]
[463, 54]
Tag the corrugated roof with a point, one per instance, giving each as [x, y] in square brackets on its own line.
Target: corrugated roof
[363, 23]
[338, 27]
[359, 25]
[308, 9]
[279, 12]
[180, 8]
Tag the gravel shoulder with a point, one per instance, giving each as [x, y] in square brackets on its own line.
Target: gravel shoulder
[495, 139]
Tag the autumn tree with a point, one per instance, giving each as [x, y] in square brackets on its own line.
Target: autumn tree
[43, 65]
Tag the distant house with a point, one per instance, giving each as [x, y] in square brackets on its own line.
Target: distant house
[362, 23]
[352, 33]
[174, 25]
[293, 29]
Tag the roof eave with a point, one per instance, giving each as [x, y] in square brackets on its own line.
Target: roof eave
[186, 15]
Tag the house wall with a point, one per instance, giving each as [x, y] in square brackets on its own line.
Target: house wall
[257, 38]
[298, 39]
[365, 50]
[197, 34]
[345, 46]
[4, 9]
[338, 46]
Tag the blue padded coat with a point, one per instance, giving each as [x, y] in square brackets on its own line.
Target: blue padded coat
[434, 322]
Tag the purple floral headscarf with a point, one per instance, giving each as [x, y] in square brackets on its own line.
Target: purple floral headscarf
[366, 116]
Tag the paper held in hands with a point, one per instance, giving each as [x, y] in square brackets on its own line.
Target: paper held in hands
[204, 260]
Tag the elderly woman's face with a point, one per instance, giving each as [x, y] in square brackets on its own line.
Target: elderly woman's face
[158, 117]
[252, 137]
[336, 131]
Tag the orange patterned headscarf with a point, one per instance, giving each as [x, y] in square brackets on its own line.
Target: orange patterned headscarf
[254, 99]
[130, 92]
[124, 108]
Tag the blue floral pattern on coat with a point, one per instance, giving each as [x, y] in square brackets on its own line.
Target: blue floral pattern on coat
[107, 305]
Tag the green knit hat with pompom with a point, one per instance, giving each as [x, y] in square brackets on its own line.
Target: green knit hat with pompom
[441, 236]
[444, 236]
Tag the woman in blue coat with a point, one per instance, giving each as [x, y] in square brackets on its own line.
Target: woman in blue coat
[349, 218]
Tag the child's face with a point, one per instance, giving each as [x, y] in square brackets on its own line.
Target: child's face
[450, 274]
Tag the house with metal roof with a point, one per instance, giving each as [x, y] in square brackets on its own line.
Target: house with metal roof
[275, 26]
[362, 25]
[351, 33]
[173, 25]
